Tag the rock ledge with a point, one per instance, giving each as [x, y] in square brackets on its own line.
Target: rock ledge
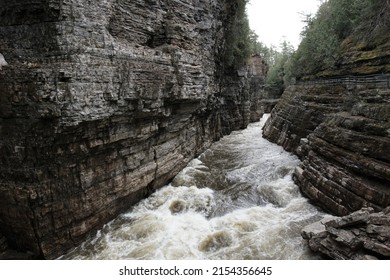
[362, 235]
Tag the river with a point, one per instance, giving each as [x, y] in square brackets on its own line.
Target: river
[235, 201]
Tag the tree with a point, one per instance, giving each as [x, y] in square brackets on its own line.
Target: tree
[276, 79]
[363, 22]
[237, 48]
[373, 23]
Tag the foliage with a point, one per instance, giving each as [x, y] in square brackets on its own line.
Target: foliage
[319, 47]
[269, 54]
[336, 20]
[277, 79]
[237, 35]
[374, 22]
[278, 60]
[365, 23]
[241, 43]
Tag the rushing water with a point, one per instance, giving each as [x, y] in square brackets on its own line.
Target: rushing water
[236, 201]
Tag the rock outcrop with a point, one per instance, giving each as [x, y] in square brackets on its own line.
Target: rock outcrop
[341, 134]
[2, 61]
[101, 103]
[362, 235]
[300, 110]
[260, 103]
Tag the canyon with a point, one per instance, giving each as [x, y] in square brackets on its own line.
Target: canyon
[102, 103]
[338, 123]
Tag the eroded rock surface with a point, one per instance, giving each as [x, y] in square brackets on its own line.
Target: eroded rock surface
[101, 103]
[341, 133]
[362, 235]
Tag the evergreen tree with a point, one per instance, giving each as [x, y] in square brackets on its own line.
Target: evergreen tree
[336, 20]
[276, 78]
[237, 33]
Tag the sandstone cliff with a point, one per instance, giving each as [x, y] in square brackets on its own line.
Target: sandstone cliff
[101, 103]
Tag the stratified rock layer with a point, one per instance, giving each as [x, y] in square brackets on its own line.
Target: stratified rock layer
[101, 103]
[362, 235]
[342, 135]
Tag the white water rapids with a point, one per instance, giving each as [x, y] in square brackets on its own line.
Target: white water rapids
[235, 201]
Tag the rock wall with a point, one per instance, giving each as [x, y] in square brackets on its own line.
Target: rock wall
[341, 132]
[342, 135]
[260, 103]
[338, 122]
[300, 110]
[101, 103]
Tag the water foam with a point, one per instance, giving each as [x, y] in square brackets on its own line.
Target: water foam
[236, 201]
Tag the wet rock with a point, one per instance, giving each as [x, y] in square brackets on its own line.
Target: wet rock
[351, 237]
[2, 61]
[177, 206]
[315, 230]
[216, 241]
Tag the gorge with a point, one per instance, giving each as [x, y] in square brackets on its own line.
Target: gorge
[102, 103]
[236, 201]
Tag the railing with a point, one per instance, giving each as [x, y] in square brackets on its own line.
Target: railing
[378, 80]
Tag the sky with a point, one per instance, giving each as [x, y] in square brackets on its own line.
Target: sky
[277, 20]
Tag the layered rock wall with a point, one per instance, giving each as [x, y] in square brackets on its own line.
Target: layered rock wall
[300, 110]
[342, 135]
[101, 103]
[341, 131]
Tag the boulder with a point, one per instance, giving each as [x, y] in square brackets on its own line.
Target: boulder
[361, 235]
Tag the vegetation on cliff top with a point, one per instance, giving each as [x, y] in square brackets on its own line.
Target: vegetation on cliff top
[340, 26]
[341, 32]
[241, 42]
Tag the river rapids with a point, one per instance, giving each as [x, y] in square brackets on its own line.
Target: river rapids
[235, 201]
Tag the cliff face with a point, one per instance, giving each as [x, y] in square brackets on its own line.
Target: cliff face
[101, 103]
[342, 135]
[340, 128]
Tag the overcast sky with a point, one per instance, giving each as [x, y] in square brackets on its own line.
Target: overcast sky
[274, 20]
